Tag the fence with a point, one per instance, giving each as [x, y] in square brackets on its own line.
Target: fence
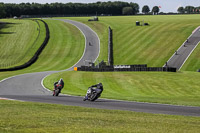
[110, 47]
[136, 68]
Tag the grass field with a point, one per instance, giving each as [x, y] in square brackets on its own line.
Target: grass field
[152, 45]
[169, 88]
[38, 117]
[20, 39]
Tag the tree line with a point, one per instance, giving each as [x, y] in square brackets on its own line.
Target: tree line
[146, 9]
[106, 8]
[188, 10]
[112, 8]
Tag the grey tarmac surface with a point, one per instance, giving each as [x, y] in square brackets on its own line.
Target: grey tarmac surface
[181, 55]
[27, 87]
[111, 104]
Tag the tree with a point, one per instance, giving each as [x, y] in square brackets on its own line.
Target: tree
[145, 9]
[189, 9]
[127, 11]
[181, 10]
[155, 10]
[135, 7]
[111, 8]
[2, 10]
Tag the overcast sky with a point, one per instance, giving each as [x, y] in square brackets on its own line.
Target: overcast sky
[166, 5]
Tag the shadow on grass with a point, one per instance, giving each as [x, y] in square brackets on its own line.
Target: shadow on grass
[5, 25]
[7, 32]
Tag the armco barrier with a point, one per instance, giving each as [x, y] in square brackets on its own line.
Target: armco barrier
[35, 57]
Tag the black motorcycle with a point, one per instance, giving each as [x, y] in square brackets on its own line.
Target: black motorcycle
[92, 94]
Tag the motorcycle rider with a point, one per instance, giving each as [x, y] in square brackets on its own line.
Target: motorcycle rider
[98, 88]
[58, 84]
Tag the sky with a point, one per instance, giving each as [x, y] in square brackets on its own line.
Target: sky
[166, 5]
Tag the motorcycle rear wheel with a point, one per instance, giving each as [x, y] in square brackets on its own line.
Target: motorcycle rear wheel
[57, 91]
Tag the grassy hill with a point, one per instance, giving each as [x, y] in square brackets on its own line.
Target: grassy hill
[66, 41]
[152, 45]
[173, 88]
[64, 49]
[20, 39]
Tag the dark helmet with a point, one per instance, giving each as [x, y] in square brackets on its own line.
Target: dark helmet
[61, 82]
[99, 85]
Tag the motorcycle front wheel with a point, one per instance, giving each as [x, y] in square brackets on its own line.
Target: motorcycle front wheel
[93, 97]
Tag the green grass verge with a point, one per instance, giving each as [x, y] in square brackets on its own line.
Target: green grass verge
[180, 88]
[38, 117]
[20, 39]
[193, 62]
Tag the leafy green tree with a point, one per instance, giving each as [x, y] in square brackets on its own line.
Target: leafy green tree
[2, 10]
[112, 8]
[155, 10]
[127, 11]
[135, 7]
[181, 10]
[145, 9]
[189, 9]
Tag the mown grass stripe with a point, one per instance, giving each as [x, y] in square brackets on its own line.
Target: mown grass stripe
[142, 46]
[16, 44]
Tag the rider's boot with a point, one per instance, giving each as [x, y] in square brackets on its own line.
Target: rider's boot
[54, 92]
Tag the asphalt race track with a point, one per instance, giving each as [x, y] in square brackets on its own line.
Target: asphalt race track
[28, 87]
[181, 55]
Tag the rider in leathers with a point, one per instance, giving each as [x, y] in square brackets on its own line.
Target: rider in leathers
[60, 84]
[98, 88]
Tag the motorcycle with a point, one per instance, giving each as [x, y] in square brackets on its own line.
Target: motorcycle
[92, 94]
[58, 87]
[57, 90]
